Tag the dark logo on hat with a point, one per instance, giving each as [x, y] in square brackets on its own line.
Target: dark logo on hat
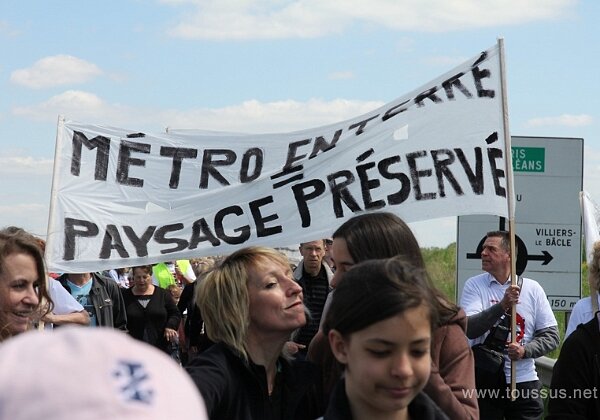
[133, 382]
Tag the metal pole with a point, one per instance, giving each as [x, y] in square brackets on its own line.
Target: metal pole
[511, 215]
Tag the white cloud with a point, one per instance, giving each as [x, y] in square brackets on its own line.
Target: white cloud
[341, 75]
[271, 19]
[24, 165]
[55, 71]
[566, 120]
[265, 19]
[281, 116]
[75, 104]
[249, 116]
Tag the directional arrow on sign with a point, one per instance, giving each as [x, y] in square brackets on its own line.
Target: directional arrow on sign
[522, 255]
[546, 257]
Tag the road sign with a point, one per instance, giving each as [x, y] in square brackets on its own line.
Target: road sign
[548, 175]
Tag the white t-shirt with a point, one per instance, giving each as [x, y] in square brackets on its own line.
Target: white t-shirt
[64, 303]
[533, 313]
[121, 279]
[582, 313]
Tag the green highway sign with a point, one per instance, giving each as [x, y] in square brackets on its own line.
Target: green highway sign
[528, 159]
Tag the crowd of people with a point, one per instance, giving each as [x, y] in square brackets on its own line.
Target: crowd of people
[355, 330]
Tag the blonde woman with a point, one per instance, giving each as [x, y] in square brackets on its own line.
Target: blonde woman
[250, 305]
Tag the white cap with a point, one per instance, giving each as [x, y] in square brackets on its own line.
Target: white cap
[92, 374]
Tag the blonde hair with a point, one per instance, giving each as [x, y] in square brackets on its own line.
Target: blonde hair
[223, 296]
[594, 266]
[171, 288]
[202, 265]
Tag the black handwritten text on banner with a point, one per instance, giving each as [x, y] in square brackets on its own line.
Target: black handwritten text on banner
[122, 197]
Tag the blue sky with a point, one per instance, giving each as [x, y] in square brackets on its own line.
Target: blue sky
[274, 66]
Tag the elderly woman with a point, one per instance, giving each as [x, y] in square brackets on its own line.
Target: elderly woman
[152, 315]
[22, 283]
[251, 305]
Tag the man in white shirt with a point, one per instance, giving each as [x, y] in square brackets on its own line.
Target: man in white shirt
[585, 308]
[581, 313]
[66, 309]
[486, 298]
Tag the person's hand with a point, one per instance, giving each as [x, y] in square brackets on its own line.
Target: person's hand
[511, 295]
[178, 274]
[40, 316]
[48, 318]
[170, 334]
[293, 348]
[516, 351]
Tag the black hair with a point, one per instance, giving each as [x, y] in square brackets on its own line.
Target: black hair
[385, 235]
[376, 290]
[372, 236]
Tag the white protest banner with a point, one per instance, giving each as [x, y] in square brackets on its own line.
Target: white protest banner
[122, 197]
[591, 223]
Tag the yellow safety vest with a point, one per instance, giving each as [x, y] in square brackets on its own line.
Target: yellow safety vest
[163, 275]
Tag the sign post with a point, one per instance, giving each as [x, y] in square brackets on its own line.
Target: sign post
[548, 177]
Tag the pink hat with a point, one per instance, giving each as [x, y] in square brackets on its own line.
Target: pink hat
[92, 374]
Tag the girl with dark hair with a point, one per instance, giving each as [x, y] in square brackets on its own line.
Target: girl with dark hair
[384, 235]
[384, 371]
